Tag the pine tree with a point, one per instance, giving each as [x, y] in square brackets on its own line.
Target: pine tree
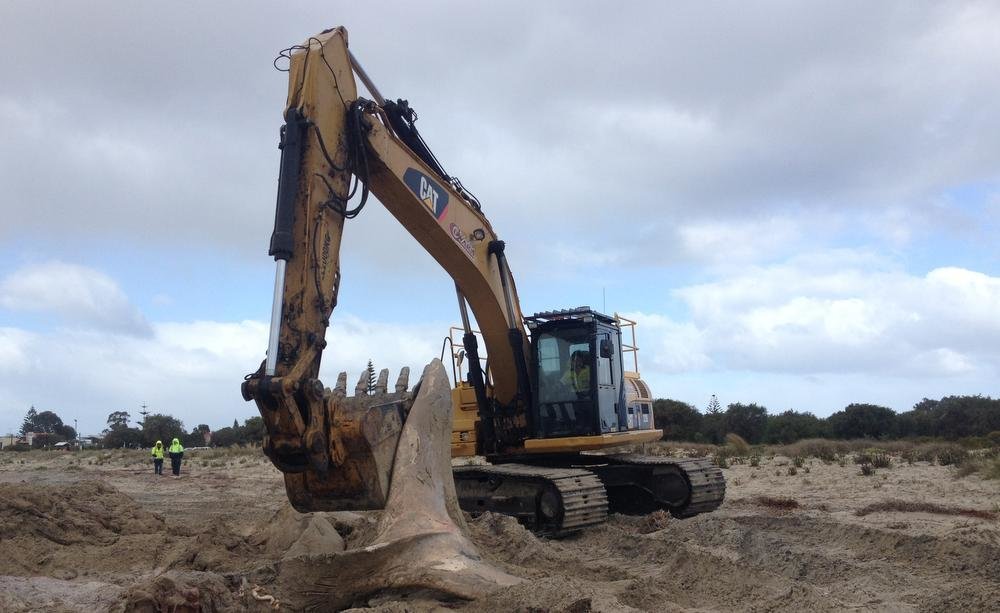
[371, 377]
[28, 425]
[714, 407]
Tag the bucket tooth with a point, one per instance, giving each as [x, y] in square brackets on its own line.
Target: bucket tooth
[340, 390]
[361, 389]
[383, 381]
[403, 381]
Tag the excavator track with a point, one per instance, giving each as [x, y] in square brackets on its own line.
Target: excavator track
[705, 483]
[549, 501]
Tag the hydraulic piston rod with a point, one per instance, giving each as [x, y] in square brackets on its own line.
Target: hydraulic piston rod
[275, 332]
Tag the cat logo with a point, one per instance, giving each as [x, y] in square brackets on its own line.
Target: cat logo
[430, 193]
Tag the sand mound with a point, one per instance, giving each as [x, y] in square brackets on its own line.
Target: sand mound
[31, 594]
[215, 548]
[62, 530]
[290, 533]
[502, 538]
[89, 512]
[179, 592]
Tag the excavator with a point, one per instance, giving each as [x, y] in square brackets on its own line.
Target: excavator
[546, 401]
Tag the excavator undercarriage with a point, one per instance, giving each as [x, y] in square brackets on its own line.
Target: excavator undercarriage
[560, 495]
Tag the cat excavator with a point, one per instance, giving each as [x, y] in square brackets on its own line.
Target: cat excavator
[547, 399]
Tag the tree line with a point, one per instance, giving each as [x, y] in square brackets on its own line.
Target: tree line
[951, 417]
[49, 429]
[159, 427]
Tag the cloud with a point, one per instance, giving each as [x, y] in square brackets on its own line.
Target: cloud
[668, 346]
[677, 118]
[75, 293]
[807, 316]
[727, 242]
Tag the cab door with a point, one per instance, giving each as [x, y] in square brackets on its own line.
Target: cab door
[607, 382]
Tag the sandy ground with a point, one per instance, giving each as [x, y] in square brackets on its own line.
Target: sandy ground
[98, 531]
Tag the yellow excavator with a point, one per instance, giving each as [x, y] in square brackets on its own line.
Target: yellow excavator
[546, 401]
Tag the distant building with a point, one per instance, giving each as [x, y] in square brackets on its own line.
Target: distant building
[8, 440]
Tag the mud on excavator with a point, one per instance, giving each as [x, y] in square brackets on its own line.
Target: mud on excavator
[547, 409]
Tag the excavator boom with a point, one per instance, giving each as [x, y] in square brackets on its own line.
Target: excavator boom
[331, 136]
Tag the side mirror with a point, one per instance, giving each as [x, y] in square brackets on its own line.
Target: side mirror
[605, 348]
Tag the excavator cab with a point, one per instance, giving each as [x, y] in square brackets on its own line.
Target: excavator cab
[577, 361]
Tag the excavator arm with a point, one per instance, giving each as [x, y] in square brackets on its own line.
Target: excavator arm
[337, 451]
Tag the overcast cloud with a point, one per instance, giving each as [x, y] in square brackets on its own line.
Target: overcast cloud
[798, 201]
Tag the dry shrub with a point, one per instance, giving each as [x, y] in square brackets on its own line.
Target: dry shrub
[777, 502]
[990, 469]
[655, 521]
[737, 444]
[944, 453]
[987, 468]
[798, 461]
[720, 460]
[792, 471]
[967, 469]
[823, 449]
[867, 469]
[902, 506]
[755, 460]
[952, 455]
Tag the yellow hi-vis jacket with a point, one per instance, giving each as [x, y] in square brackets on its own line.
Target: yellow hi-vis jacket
[176, 447]
[157, 452]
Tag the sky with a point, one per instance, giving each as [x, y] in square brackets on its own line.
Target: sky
[797, 201]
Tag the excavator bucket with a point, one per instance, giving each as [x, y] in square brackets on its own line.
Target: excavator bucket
[362, 433]
[420, 543]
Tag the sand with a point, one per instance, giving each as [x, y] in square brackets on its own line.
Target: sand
[110, 535]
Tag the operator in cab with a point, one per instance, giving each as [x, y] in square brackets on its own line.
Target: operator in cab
[578, 375]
